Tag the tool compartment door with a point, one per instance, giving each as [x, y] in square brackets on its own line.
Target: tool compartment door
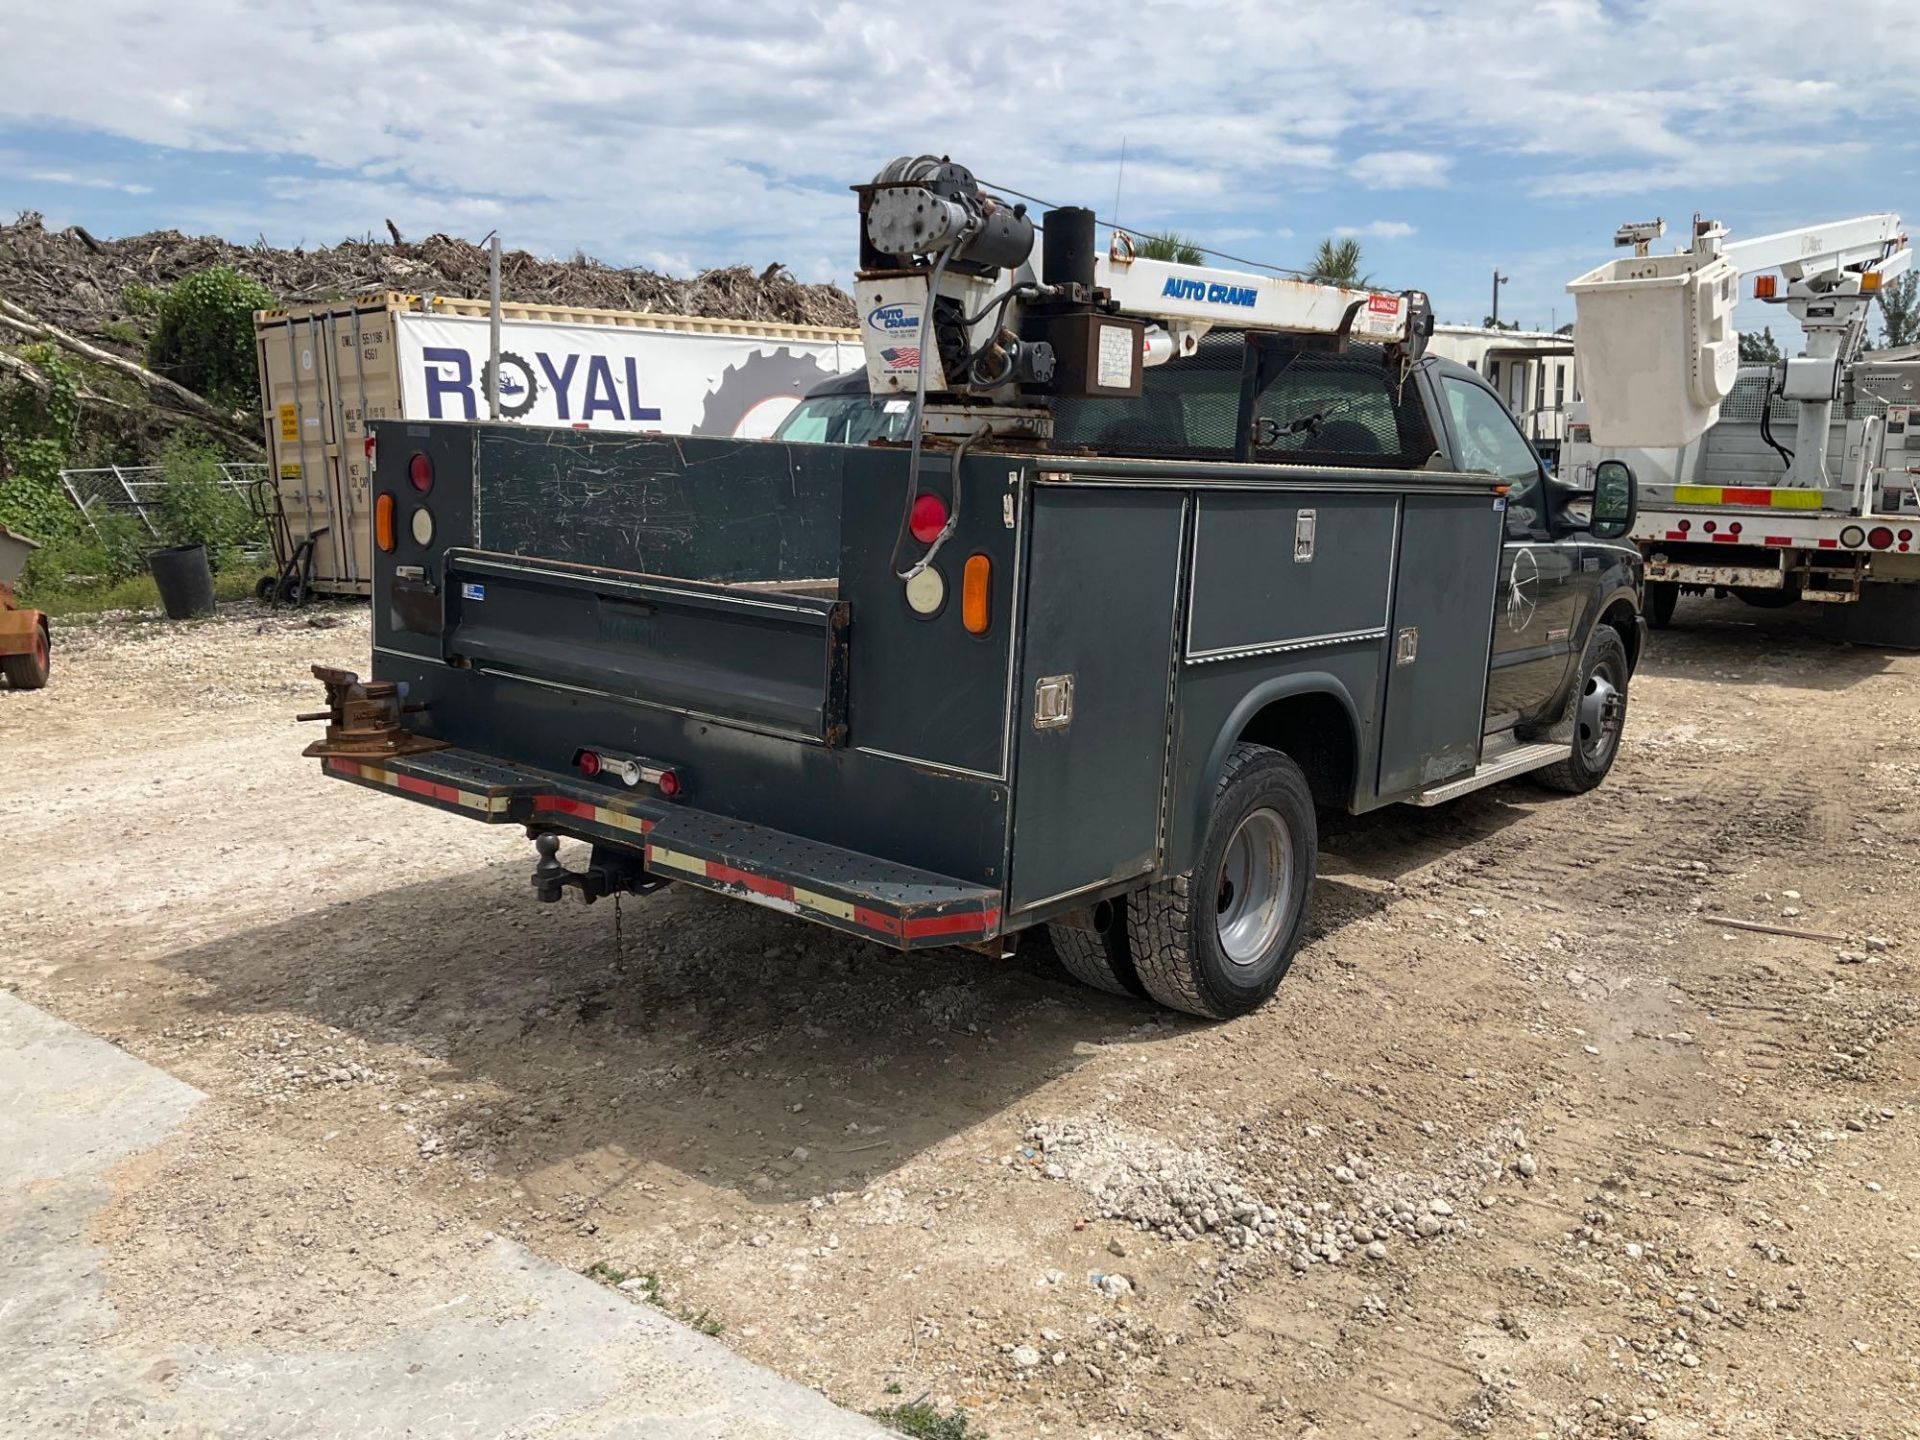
[1101, 584]
[1438, 640]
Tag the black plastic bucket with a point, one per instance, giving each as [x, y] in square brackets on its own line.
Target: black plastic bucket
[184, 579]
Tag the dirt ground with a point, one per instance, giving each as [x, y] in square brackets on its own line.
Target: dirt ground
[1524, 1147]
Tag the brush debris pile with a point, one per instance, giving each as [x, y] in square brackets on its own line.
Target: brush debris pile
[79, 283]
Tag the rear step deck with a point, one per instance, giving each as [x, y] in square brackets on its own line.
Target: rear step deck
[860, 894]
[1505, 765]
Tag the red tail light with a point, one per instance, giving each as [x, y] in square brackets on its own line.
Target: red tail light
[928, 518]
[588, 762]
[1880, 537]
[420, 472]
[669, 783]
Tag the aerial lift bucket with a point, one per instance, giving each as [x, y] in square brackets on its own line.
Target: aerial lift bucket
[1654, 347]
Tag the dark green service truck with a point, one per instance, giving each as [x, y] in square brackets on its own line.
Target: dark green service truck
[1101, 678]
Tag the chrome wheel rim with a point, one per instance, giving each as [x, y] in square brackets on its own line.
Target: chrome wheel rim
[1602, 708]
[1254, 895]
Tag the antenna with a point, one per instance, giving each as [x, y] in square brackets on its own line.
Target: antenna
[1119, 179]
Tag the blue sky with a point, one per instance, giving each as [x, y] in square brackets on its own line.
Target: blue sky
[1450, 138]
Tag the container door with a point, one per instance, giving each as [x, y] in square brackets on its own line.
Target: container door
[1438, 640]
[361, 381]
[1095, 684]
[294, 410]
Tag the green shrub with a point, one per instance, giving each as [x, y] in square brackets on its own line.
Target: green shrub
[203, 337]
[196, 509]
[39, 432]
[87, 560]
[922, 1421]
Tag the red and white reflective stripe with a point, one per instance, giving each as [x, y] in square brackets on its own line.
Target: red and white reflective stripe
[799, 900]
[414, 785]
[587, 810]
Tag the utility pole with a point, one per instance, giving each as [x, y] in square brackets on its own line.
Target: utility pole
[1498, 281]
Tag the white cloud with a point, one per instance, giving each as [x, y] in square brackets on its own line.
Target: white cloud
[728, 130]
[1376, 230]
[1400, 169]
[88, 182]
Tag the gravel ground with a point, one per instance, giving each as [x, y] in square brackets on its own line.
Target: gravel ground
[1523, 1147]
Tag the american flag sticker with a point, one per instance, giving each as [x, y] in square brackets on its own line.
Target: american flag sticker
[902, 358]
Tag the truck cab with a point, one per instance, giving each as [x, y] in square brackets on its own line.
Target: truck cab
[1557, 577]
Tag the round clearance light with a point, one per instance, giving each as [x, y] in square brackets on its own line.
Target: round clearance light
[420, 473]
[588, 762]
[926, 592]
[1853, 537]
[1734, 528]
[1880, 537]
[927, 519]
[1710, 527]
[422, 526]
[669, 784]
[1685, 525]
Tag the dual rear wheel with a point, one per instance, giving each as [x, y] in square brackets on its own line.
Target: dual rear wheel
[1215, 942]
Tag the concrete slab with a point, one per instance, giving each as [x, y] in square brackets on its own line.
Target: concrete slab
[570, 1360]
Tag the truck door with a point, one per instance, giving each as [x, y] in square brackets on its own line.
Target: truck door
[1533, 623]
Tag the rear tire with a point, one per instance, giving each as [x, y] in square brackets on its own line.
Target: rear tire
[31, 670]
[1595, 717]
[1099, 958]
[1218, 941]
[1662, 596]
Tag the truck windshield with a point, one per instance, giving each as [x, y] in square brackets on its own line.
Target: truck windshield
[852, 419]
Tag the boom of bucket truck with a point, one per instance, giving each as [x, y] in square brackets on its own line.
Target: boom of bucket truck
[1727, 503]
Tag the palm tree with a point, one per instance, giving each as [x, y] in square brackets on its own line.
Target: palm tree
[1337, 262]
[1170, 246]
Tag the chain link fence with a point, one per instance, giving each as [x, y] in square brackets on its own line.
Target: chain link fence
[135, 489]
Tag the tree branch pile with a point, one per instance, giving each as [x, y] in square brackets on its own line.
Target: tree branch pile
[77, 283]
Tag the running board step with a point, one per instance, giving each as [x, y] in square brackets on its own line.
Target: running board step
[1518, 760]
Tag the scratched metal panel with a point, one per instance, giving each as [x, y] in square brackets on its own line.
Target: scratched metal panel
[1100, 605]
[407, 614]
[1443, 593]
[1260, 580]
[922, 686]
[688, 507]
[765, 659]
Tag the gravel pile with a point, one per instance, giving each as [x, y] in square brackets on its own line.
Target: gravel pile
[1355, 1208]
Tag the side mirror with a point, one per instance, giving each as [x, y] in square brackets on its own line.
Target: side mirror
[1616, 500]
[1607, 510]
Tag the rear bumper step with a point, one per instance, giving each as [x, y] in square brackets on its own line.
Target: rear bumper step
[860, 894]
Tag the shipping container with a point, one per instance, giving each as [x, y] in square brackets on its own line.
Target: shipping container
[326, 369]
